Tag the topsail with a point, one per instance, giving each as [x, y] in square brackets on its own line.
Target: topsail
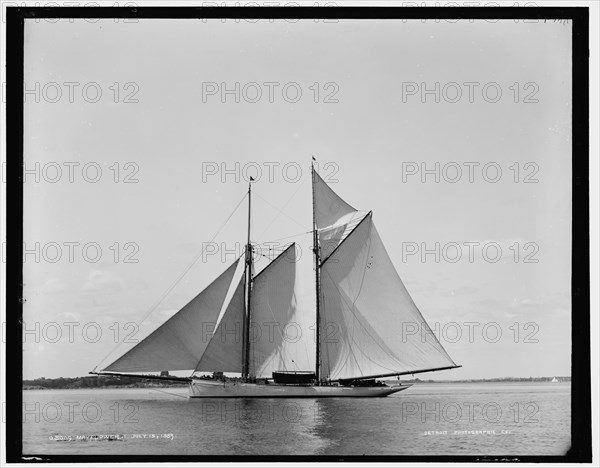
[334, 218]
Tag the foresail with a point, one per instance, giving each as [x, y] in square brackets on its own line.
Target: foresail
[334, 217]
[225, 349]
[370, 324]
[279, 329]
[179, 343]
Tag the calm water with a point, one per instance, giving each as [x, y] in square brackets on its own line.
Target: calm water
[427, 419]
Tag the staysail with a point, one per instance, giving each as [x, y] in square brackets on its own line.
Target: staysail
[178, 344]
[370, 325]
[279, 337]
[225, 349]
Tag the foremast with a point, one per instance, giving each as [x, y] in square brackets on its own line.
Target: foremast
[248, 268]
[317, 280]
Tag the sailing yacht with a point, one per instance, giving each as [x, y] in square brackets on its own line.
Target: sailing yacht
[237, 324]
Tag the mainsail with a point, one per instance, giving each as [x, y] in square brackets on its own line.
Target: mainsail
[180, 342]
[279, 338]
[370, 325]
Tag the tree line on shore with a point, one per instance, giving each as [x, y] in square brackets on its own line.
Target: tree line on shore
[109, 381]
[96, 381]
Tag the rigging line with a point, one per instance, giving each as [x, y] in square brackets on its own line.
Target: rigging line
[278, 209]
[284, 238]
[179, 278]
[263, 255]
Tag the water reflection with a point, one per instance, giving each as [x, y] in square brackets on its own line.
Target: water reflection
[245, 423]
[534, 419]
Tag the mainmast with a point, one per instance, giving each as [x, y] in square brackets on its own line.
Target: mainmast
[317, 279]
[248, 293]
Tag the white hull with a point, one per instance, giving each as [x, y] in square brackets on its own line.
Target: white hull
[233, 389]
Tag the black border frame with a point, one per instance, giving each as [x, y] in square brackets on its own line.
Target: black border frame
[581, 448]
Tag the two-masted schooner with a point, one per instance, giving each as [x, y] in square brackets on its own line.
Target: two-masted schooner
[361, 317]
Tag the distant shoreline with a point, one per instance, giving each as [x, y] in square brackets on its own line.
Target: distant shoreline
[111, 382]
[96, 382]
[106, 387]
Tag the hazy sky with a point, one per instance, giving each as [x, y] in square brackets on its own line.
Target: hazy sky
[376, 130]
